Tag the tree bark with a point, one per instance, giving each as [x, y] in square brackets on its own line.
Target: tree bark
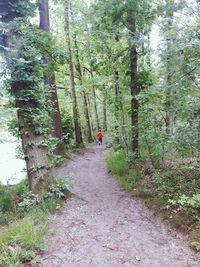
[78, 132]
[85, 102]
[50, 80]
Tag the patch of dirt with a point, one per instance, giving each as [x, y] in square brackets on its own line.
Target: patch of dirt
[102, 226]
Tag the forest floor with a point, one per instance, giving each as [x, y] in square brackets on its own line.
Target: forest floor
[102, 226]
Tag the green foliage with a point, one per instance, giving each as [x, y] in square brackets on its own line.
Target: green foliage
[185, 201]
[19, 199]
[16, 8]
[55, 193]
[59, 189]
[144, 79]
[116, 163]
[28, 201]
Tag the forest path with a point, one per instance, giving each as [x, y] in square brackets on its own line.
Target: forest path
[102, 226]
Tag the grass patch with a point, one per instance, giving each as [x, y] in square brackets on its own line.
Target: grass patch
[24, 221]
[116, 163]
[25, 232]
[23, 238]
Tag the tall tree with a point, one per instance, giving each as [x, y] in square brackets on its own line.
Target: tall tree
[78, 132]
[84, 96]
[105, 127]
[92, 79]
[23, 68]
[50, 81]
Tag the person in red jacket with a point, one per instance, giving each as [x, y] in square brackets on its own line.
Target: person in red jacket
[100, 137]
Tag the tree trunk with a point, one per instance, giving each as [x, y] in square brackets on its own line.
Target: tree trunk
[35, 150]
[85, 102]
[169, 80]
[38, 164]
[117, 104]
[94, 99]
[148, 51]
[93, 85]
[51, 82]
[117, 93]
[133, 85]
[78, 132]
[104, 114]
[90, 108]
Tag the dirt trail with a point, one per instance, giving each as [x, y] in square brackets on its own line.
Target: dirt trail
[102, 226]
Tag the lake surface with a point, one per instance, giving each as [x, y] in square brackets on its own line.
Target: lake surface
[12, 169]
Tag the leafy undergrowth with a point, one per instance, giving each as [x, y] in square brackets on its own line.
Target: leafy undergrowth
[172, 191]
[24, 221]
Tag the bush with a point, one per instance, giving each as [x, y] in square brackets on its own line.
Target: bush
[116, 163]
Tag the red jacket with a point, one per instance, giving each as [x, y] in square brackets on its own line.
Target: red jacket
[99, 135]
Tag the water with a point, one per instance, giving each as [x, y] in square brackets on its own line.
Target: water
[12, 169]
